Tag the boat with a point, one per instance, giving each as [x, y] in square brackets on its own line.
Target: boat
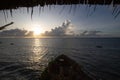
[64, 68]
[11, 43]
[99, 46]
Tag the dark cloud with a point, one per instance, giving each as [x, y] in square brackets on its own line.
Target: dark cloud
[16, 32]
[65, 29]
[93, 33]
[29, 33]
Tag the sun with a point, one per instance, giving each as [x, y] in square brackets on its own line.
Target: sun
[37, 31]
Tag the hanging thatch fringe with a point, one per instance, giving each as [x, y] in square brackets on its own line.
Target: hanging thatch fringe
[29, 4]
[13, 4]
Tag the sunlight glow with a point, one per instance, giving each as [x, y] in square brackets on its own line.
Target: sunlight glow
[37, 31]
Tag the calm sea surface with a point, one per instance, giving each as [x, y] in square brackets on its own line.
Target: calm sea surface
[24, 59]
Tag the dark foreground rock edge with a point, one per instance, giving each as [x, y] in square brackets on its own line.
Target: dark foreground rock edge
[64, 68]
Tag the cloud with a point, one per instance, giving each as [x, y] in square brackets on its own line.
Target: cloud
[29, 33]
[65, 29]
[16, 33]
[93, 33]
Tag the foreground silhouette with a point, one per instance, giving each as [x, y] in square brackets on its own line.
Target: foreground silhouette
[64, 68]
[3, 27]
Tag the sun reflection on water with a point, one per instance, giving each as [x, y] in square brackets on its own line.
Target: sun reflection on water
[36, 56]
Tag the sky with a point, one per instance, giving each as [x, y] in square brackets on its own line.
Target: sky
[85, 21]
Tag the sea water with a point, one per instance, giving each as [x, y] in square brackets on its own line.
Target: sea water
[26, 58]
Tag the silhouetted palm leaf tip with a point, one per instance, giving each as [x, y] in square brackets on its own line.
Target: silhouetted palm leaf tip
[2, 27]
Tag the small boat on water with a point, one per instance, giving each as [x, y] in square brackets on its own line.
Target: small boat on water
[99, 46]
[11, 43]
[64, 68]
[0, 42]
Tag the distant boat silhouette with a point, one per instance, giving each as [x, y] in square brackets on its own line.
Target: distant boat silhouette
[11, 43]
[2, 27]
[99, 46]
[0, 42]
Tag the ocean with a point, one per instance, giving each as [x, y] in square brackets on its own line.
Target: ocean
[26, 58]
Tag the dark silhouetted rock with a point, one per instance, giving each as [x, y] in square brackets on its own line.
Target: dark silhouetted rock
[64, 68]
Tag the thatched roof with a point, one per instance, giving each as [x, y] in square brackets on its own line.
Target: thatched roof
[13, 4]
